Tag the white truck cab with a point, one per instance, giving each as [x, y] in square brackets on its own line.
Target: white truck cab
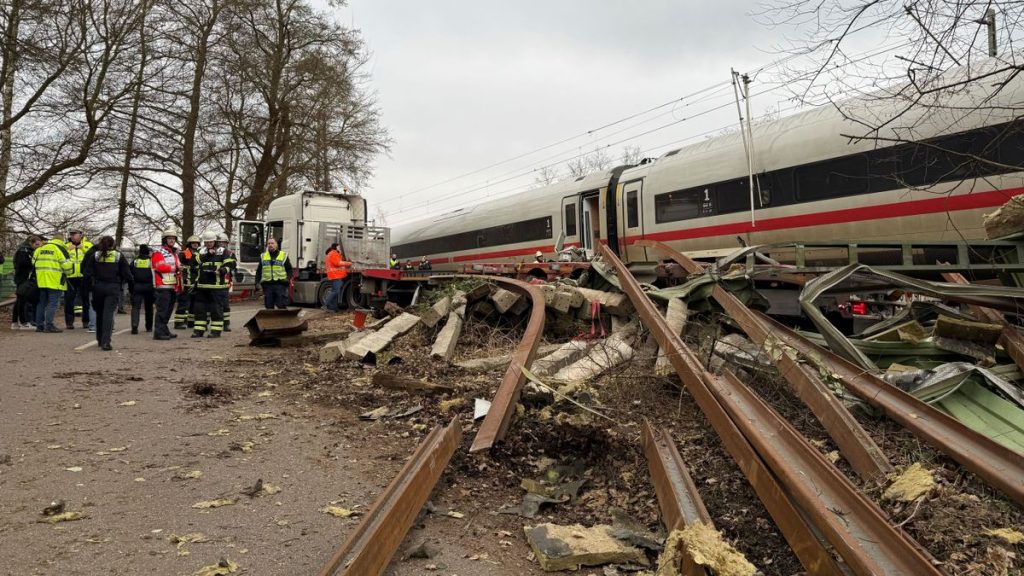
[305, 224]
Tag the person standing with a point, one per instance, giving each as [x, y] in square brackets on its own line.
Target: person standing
[230, 265]
[210, 280]
[141, 289]
[23, 314]
[166, 283]
[273, 274]
[76, 298]
[425, 264]
[105, 270]
[52, 266]
[394, 263]
[337, 270]
[184, 316]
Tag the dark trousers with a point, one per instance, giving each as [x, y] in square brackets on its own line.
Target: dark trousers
[46, 308]
[24, 311]
[76, 302]
[142, 300]
[164, 301]
[104, 301]
[224, 299]
[206, 307]
[184, 315]
[275, 296]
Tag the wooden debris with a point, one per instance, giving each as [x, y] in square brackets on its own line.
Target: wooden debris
[381, 339]
[431, 316]
[448, 337]
[1006, 221]
[982, 332]
[393, 382]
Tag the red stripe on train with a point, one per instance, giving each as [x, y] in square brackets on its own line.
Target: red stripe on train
[954, 203]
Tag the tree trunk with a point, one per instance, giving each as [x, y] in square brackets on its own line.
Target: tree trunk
[129, 146]
[7, 73]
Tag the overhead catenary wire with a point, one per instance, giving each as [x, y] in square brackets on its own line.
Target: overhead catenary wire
[550, 161]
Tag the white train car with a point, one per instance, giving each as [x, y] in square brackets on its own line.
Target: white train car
[815, 185]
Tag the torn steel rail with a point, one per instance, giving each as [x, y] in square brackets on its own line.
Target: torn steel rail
[1001, 467]
[866, 458]
[503, 406]
[680, 502]
[368, 550]
[855, 526]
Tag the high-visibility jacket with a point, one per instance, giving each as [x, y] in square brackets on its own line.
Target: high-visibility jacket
[212, 271]
[142, 271]
[52, 265]
[166, 267]
[337, 267]
[394, 264]
[76, 253]
[273, 268]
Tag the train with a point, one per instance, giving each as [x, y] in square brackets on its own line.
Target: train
[929, 175]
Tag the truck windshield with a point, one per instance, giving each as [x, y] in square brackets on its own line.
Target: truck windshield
[250, 241]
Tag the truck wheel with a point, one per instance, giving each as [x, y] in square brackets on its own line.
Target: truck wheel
[321, 293]
[351, 296]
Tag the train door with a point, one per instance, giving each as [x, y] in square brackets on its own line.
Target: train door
[631, 221]
[590, 217]
[570, 221]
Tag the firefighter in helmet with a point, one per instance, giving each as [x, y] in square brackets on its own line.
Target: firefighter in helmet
[166, 282]
[210, 280]
[183, 316]
[230, 265]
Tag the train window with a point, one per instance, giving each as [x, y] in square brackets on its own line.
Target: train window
[632, 209]
[681, 205]
[570, 220]
[732, 196]
[846, 176]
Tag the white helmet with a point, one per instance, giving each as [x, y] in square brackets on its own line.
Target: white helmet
[222, 237]
[209, 236]
[538, 254]
[169, 233]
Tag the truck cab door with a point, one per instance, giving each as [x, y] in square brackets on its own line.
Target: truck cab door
[251, 240]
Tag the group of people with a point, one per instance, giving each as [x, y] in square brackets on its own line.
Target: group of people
[396, 264]
[90, 279]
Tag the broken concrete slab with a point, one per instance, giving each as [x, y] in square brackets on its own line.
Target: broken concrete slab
[494, 362]
[521, 306]
[483, 309]
[381, 339]
[504, 299]
[334, 351]
[448, 337]
[565, 355]
[570, 547]
[675, 317]
[431, 316]
[613, 303]
[479, 293]
[604, 355]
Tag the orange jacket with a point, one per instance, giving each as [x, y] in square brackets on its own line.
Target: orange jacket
[337, 268]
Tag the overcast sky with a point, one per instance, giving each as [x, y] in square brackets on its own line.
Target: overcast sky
[463, 85]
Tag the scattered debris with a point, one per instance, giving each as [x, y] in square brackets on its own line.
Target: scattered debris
[706, 547]
[570, 547]
[56, 507]
[375, 414]
[340, 512]
[480, 408]
[64, 517]
[1006, 221]
[206, 504]
[393, 382]
[221, 568]
[1008, 534]
[911, 484]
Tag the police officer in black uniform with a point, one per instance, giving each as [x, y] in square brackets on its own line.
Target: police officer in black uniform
[106, 270]
[142, 293]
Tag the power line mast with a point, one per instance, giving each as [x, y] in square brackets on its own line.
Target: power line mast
[990, 21]
[741, 88]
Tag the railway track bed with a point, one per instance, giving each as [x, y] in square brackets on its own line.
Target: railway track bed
[954, 523]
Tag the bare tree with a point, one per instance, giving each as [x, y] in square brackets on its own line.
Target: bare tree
[546, 175]
[592, 162]
[632, 154]
[61, 78]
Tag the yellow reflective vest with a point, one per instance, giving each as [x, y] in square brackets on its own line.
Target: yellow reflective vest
[52, 265]
[273, 268]
[76, 254]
